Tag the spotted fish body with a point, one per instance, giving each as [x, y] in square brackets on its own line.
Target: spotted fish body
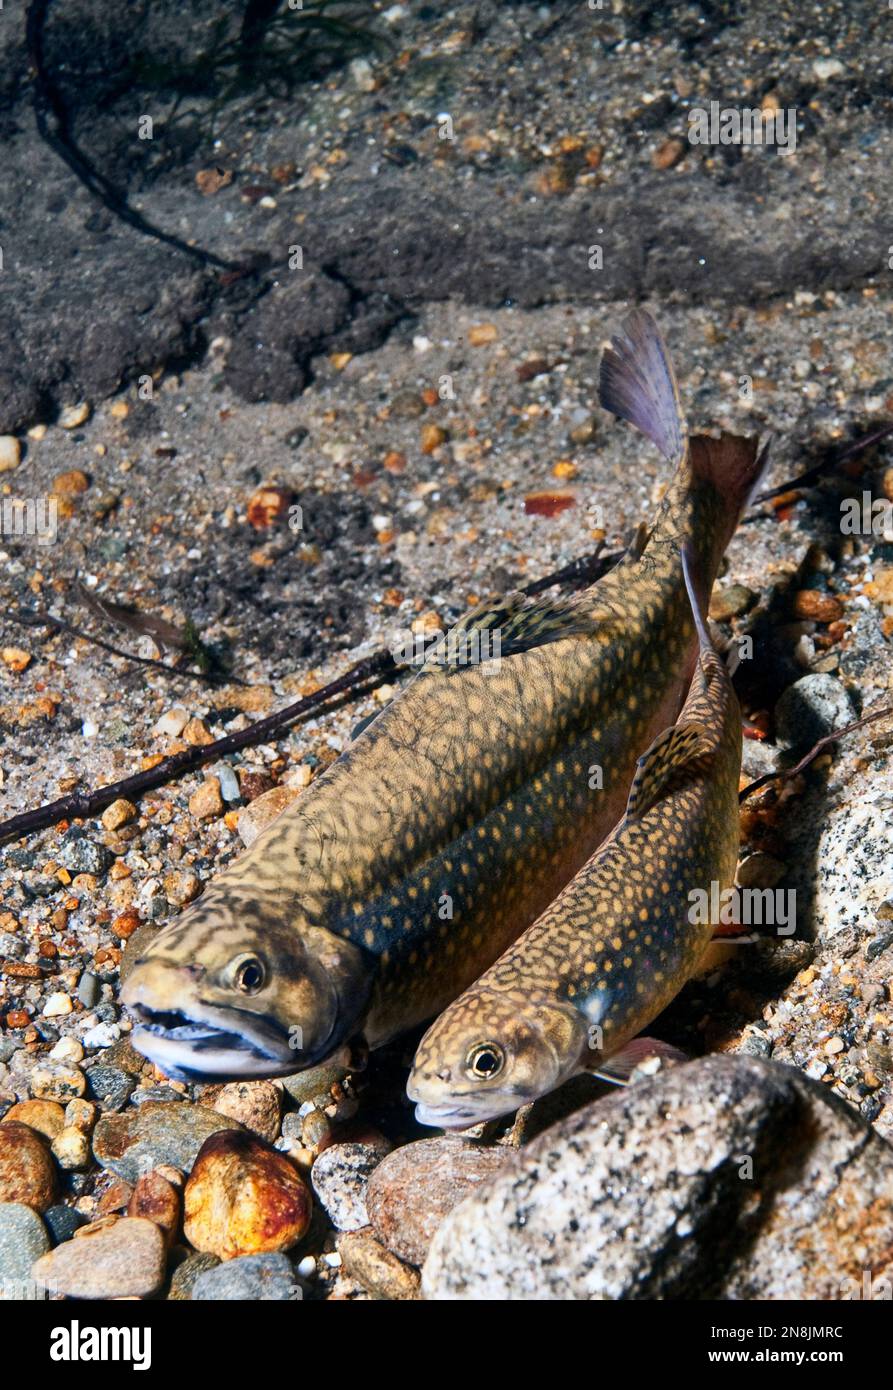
[463, 809]
[619, 941]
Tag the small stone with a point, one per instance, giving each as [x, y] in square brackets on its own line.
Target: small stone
[379, 1271]
[229, 783]
[82, 856]
[171, 724]
[669, 154]
[44, 1116]
[74, 415]
[244, 1198]
[70, 485]
[197, 734]
[62, 1221]
[156, 1133]
[482, 333]
[268, 505]
[187, 1273]
[432, 438]
[121, 812]
[88, 989]
[834, 1046]
[255, 818]
[27, 1171]
[255, 1104]
[71, 1149]
[58, 1081]
[760, 870]
[126, 924]
[10, 453]
[254, 784]
[814, 605]
[730, 601]
[268, 1277]
[123, 1259]
[68, 1049]
[826, 68]
[181, 886]
[23, 1239]
[82, 1115]
[414, 1188]
[340, 1176]
[16, 659]
[157, 1200]
[210, 181]
[57, 1005]
[111, 1086]
[306, 1085]
[206, 801]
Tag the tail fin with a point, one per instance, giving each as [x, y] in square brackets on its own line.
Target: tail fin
[637, 383]
[733, 466]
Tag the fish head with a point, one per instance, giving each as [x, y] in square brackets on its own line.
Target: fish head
[232, 990]
[490, 1053]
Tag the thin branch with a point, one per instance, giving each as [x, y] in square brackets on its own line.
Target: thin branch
[813, 474]
[44, 619]
[804, 762]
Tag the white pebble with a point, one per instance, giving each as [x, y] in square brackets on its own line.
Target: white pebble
[10, 452]
[307, 1267]
[57, 1004]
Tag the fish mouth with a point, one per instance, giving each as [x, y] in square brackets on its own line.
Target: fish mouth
[453, 1117]
[190, 1048]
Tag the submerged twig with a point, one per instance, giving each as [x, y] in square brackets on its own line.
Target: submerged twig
[804, 762]
[44, 619]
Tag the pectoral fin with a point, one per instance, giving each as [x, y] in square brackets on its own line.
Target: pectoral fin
[664, 765]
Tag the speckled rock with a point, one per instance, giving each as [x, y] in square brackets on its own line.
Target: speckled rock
[255, 1104]
[269, 1277]
[159, 1132]
[58, 1081]
[727, 1178]
[413, 1189]
[27, 1170]
[376, 1268]
[306, 1085]
[23, 1239]
[244, 1198]
[185, 1275]
[340, 1176]
[109, 1259]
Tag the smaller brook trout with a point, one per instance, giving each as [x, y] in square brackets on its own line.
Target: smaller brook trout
[618, 943]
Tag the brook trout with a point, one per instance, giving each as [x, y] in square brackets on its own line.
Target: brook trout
[617, 944]
[456, 817]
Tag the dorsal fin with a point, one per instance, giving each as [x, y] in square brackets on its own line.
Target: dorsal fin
[509, 626]
[637, 382]
[664, 765]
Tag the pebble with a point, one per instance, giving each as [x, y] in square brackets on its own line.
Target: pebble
[811, 708]
[244, 1198]
[157, 1200]
[669, 154]
[255, 1104]
[269, 1277]
[760, 870]
[815, 605]
[262, 811]
[62, 1221]
[379, 1271]
[121, 812]
[89, 989]
[413, 1189]
[340, 1177]
[111, 1086]
[730, 601]
[171, 724]
[58, 1081]
[206, 801]
[81, 1114]
[826, 68]
[181, 886]
[23, 1239]
[70, 484]
[10, 453]
[112, 1258]
[186, 1274]
[156, 1133]
[229, 783]
[27, 1170]
[82, 856]
[71, 1149]
[74, 415]
[67, 1049]
[45, 1116]
[57, 1005]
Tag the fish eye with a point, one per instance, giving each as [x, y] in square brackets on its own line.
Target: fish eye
[485, 1060]
[247, 974]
